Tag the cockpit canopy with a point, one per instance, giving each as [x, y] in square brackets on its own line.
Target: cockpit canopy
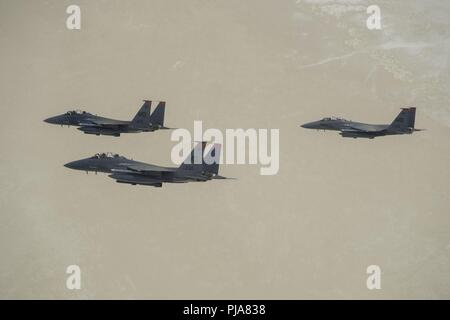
[333, 119]
[75, 112]
[106, 155]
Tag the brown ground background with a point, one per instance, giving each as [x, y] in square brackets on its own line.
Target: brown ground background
[336, 206]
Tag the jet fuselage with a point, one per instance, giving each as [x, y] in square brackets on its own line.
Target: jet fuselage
[88, 123]
[402, 124]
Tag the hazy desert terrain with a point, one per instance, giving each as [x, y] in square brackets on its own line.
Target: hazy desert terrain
[335, 207]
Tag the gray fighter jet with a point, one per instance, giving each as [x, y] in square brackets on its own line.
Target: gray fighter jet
[402, 124]
[143, 121]
[196, 168]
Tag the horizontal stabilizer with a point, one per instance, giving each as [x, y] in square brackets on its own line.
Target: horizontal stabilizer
[222, 178]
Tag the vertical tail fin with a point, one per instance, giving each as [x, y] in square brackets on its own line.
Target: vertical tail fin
[212, 159]
[142, 118]
[157, 117]
[194, 162]
[405, 120]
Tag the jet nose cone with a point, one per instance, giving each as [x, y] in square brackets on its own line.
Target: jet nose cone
[69, 165]
[76, 165]
[308, 125]
[51, 120]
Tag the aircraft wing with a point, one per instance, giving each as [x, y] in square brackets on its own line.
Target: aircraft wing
[355, 133]
[363, 128]
[145, 168]
[102, 122]
[195, 177]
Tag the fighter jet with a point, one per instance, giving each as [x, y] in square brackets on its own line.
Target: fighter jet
[196, 168]
[143, 121]
[402, 124]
